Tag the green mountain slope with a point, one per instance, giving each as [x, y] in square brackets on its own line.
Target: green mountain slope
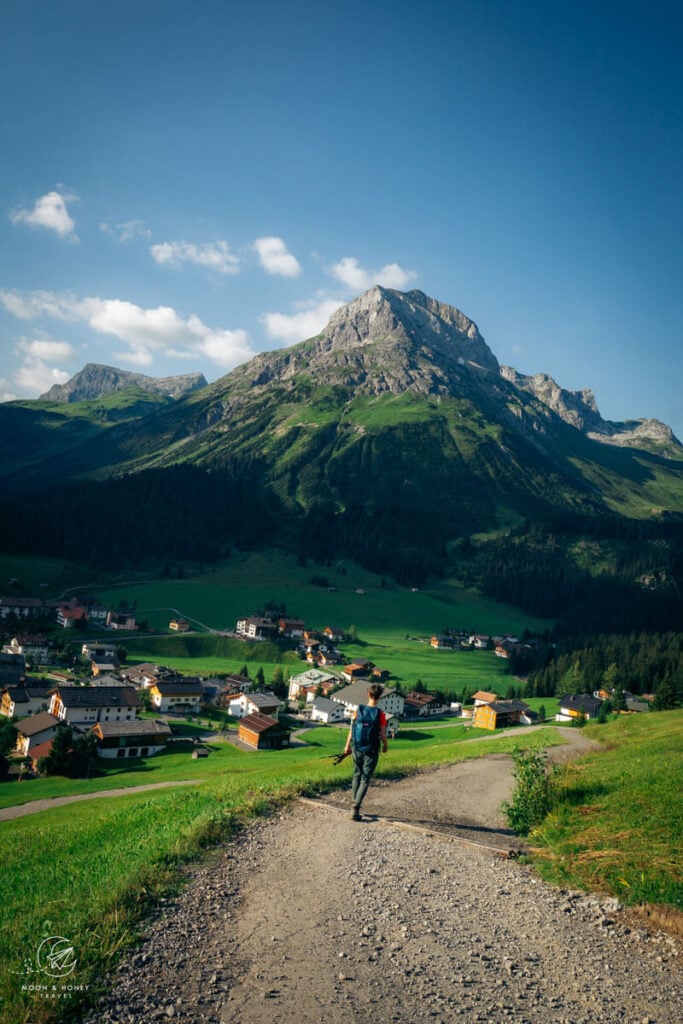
[390, 437]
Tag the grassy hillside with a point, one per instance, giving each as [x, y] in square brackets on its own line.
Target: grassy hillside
[618, 824]
[387, 620]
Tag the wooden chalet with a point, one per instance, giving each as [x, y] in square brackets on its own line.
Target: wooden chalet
[499, 714]
[263, 732]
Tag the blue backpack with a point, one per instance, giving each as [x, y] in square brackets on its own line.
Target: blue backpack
[366, 730]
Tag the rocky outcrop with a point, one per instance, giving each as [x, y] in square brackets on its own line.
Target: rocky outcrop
[580, 410]
[96, 380]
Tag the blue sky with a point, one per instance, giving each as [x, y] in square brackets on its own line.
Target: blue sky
[186, 184]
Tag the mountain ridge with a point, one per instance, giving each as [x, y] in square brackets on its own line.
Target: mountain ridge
[392, 437]
[95, 380]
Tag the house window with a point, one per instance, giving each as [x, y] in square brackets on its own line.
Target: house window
[144, 751]
[133, 752]
[120, 753]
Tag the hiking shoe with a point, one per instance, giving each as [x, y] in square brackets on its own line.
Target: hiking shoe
[356, 815]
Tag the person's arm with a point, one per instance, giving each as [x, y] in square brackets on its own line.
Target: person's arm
[347, 748]
[383, 733]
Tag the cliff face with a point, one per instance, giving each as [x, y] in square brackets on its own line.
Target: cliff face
[96, 380]
[580, 410]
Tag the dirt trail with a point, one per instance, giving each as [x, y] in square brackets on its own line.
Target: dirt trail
[35, 806]
[312, 918]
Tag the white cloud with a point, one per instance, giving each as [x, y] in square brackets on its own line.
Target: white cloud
[44, 347]
[275, 257]
[350, 273]
[144, 330]
[211, 255]
[127, 231]
[6, 395]
[310, 321]
[35, 376]
[50, 212]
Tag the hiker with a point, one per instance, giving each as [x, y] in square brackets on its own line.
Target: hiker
[367, 733]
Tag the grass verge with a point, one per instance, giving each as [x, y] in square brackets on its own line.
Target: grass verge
[617, 826]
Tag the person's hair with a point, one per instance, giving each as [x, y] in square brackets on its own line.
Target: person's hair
[375, 691]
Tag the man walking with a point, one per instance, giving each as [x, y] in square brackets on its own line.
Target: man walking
[367, 734]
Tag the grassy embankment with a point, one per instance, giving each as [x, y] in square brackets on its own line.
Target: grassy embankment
[618, 824]
[88, 871]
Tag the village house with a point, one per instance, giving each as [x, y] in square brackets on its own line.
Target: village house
[306, 683]
[177, 696]
[230, 688]
[33, 647]
[291, 627]
[142, 675]
[500, 714]
[179, 625]
[480, 642]
[635, 704]
[34, 730]
[20, 607]
[391, 702]
[422, 705]
[263, 703]
[444, 642]
[86, 705]
[99, 668]
[484, 697]
[256, 628]
[99, 650]
[581, 705]
[329, 712]
[121, 620]
[358, 669]
[139, 738]
[262, 732]
[97, 613]
[12, 669]
[69, 614]
[334, 634]
[24, 700]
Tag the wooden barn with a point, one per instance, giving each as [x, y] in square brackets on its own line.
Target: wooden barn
[263, 732]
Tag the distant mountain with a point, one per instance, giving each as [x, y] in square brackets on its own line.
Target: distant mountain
[95, 381]
[393, 437]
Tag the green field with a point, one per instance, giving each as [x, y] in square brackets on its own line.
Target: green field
[384, 618]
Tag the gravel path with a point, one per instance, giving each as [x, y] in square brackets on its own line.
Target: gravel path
[311, 918]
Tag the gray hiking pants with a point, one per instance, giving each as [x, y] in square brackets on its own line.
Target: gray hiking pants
[364, 765]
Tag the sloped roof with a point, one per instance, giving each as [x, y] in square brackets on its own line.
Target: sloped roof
[98, 696]
[138, 727]
[325, 704]
[36, 723]
[178, 689]
[265, 699]
[580, 702]
[257, 722]
[357, 693]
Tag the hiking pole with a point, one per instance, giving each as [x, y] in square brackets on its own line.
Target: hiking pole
[338, 758]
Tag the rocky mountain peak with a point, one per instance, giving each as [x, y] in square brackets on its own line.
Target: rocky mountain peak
[409, 319]
[96, 380]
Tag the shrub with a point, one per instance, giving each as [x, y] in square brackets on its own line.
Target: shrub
[533, 795]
